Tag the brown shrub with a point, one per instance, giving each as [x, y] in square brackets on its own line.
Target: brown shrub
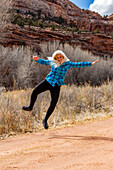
[75, 105]
[18, 68]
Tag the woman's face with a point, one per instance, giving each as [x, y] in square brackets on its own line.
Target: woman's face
[59, 57]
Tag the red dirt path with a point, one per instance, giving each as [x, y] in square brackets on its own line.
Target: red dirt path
[81, 147]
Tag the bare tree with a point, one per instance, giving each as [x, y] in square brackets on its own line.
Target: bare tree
[5, 5]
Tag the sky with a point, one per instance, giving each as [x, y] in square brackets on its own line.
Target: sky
[103, 7]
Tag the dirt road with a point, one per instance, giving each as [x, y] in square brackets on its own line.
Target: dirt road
[81, 147]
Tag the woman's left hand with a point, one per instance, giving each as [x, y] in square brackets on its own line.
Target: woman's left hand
[94, 62]
[35, 58]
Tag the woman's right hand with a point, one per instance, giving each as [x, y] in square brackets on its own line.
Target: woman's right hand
[35, 58]
[94, 62]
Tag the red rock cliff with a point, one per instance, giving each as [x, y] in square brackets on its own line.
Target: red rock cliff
[84, 20]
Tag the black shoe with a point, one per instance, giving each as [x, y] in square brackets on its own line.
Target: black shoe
[45, 124]
[26, 108]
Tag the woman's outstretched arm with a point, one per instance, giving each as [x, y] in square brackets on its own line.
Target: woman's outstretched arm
[41, 61]
[81, 64]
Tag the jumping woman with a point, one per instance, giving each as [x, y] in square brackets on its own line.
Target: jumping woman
[59, 66]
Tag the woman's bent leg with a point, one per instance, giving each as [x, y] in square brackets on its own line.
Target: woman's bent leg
[41, 87]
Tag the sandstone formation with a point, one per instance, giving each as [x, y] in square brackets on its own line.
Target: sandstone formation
[110, 17]
[98, 44]
[85, 19]
[87, 22]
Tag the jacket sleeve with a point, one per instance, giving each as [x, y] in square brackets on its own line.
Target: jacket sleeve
[79, 64]
[43, 62]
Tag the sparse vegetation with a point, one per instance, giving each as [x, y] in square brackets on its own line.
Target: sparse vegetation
[5, 16]
[87, 12]
[97, 30]
[76, 105]
[53, 27]
[78, 101]
[17, 62]
[105, 16]
[111, 35]
[74, 29]
[39, 14]
[61, 20]
[22, 43]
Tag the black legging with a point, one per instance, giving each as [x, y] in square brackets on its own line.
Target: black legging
[43, 86]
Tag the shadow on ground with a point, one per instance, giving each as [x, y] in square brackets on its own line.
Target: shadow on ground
[82, 137]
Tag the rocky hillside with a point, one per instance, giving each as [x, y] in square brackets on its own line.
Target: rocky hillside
[53, 9]
[71, 14]
[110, 17]
[44, 20]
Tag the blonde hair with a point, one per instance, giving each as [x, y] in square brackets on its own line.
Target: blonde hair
[53, 58]
[59, 52]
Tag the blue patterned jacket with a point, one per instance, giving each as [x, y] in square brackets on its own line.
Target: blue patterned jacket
[58, 74]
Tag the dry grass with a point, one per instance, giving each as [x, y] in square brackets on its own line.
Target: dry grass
[75, 105]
